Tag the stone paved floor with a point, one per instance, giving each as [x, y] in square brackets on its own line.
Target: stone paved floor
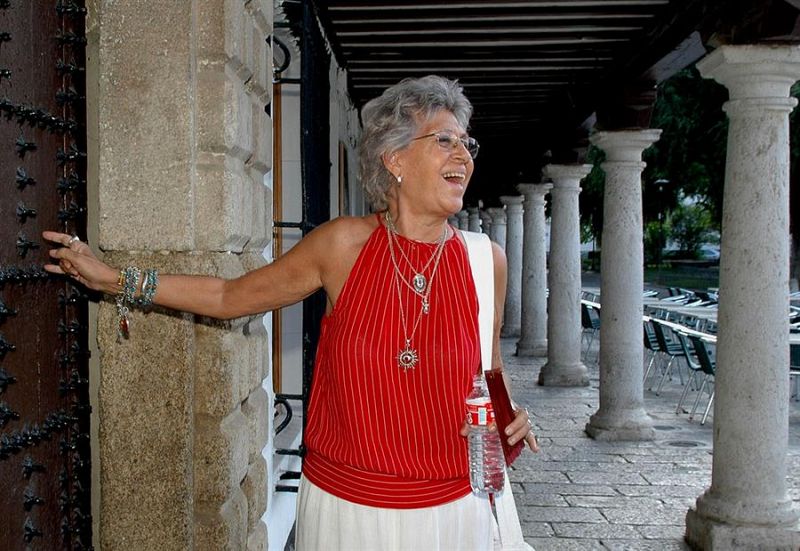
[581, 494]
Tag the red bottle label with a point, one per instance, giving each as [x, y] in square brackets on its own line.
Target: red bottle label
[480, 412]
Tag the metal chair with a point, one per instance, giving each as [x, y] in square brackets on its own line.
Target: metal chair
[794, 371]
[668, 346]
[651, 345]
[590, 322]
[709, 366]
[693, 364]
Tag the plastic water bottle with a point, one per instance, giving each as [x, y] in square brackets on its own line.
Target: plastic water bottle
[486, 473]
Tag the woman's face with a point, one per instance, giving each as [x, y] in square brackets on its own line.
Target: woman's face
[435, 176]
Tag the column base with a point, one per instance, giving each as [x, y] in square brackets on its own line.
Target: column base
[532, 348]
[629, 425]
[714, 535]
[564, 375]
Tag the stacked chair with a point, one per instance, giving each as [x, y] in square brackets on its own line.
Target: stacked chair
[670, 348]
[708, 366]
[590, 322]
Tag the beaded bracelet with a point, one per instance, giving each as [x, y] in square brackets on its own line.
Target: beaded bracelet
[149, 286]
[129, 290]
[137, 287]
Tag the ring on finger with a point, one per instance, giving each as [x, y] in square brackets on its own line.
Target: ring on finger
[72, 240]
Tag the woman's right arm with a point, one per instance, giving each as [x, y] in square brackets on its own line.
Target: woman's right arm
[287, 280]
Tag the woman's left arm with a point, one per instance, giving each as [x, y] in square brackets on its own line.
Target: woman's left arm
[520, 428]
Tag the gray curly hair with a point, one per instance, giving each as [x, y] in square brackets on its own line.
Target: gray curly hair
[391, 120]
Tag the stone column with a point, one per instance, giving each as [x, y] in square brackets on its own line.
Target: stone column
[453, 221]
[463, 219]
[498, 234]
[564, 366]
[513, 307]
[486, 222]
[533, 327]
[180, 183]
[474, 221]
[621, 415]
[747, 506]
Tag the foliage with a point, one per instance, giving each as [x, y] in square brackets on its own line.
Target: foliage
[691, 151]
[591, 197]
[689, 156]
[691, 226]
[655, 238]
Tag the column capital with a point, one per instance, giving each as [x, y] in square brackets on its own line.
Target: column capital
[512, 202]
[754, 71]
[472, 210]
[498, 215]
[625, 145]
[564, 173]
[532, 190]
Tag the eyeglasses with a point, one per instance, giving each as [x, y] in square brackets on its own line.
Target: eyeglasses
[449, 141]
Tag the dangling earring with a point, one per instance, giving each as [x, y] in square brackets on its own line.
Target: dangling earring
[399, 180]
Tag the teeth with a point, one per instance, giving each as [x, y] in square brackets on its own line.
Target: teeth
[453, 175]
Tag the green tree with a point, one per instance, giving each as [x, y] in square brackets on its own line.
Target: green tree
[655, 238]
[691, 150]
[691, 226]
[591, 197]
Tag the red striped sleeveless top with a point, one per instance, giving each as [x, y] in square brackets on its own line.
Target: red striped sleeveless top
[376, 434]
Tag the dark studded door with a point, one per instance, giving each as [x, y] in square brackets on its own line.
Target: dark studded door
[44, 411]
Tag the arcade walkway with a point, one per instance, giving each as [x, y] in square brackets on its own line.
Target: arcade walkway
[581, 494]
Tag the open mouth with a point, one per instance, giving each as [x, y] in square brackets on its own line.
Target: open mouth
[454, 177]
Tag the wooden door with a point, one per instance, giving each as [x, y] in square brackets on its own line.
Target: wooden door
[44, 411]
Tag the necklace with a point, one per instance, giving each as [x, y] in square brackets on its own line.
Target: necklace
[419, 282]
[408, 357]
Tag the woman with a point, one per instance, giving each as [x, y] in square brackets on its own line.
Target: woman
[386, 466]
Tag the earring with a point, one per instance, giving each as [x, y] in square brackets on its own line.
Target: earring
[399, 179]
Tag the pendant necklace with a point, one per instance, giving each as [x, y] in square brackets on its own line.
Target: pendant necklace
[408, 357]
[419, 282]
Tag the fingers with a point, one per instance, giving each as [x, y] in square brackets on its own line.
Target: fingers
[521, 428]
[57, 237]
[65, 264]
[533, 442]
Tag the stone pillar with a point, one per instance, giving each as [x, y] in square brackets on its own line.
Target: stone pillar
[747, 506]
[564, 366]
[533, 328]
[180, 183]
[513, 307]
[463, 219]
[453, 221]
[486, 222]
[474, 221]
[621, 415]
[498, 234]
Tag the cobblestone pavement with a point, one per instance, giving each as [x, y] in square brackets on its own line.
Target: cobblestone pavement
[581, 494]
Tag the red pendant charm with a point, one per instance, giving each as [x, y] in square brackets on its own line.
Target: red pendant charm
[124, 327]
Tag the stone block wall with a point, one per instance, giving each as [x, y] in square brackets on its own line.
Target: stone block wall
[183, 145]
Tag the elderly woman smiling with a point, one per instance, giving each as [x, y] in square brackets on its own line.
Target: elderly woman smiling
[386, 464]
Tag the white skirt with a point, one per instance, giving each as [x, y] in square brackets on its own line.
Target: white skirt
[326, 522]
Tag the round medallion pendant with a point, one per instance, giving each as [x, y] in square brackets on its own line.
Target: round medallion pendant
[419, 282]
[407, 358]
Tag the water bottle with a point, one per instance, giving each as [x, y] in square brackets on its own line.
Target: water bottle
[486, 472]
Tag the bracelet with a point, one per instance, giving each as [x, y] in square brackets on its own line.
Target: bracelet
[131, 286]
[132, 282]
[149, 286]
[137, 287]
[128, 282]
